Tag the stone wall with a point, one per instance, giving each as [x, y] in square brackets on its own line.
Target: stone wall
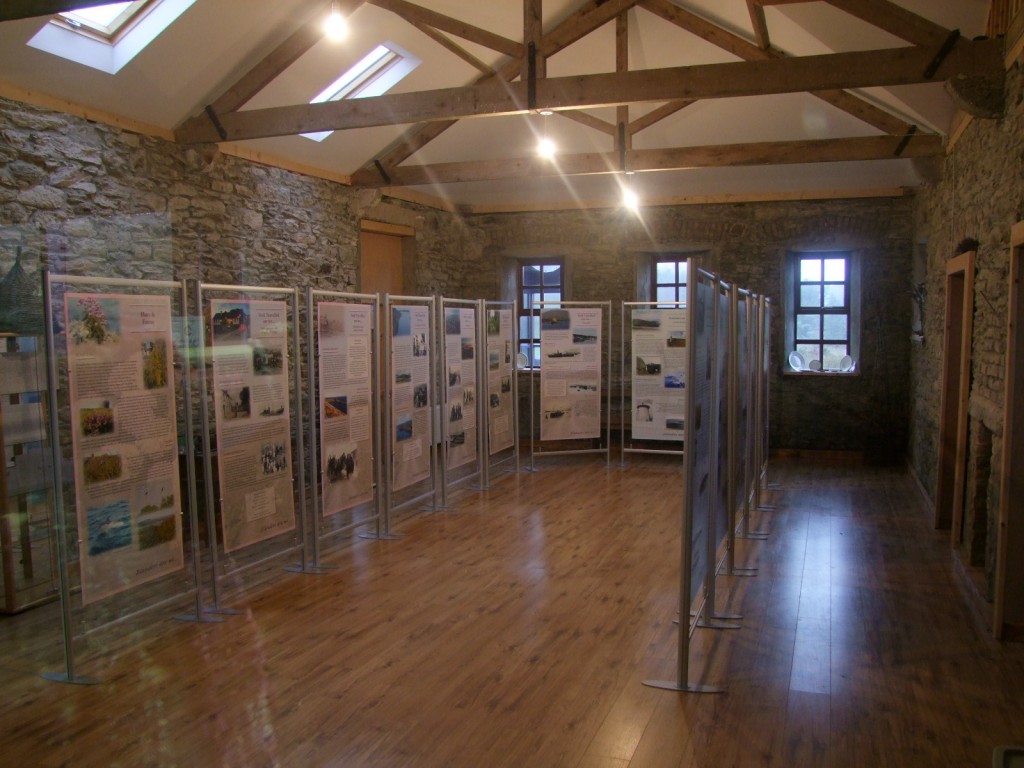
[747, 244]
[979, 197]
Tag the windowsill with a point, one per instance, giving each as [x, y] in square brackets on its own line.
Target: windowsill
[821, 374]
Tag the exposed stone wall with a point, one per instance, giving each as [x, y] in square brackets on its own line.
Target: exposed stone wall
[979, 197]
[747, 244]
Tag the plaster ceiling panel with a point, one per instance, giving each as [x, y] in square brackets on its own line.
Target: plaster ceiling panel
[655, 43]
[786, 117]
[507, 137]
[698, 184]
[589, 55]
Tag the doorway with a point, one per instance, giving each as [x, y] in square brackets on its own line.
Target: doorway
[956, 370]
[382, 262]
[1008, 607]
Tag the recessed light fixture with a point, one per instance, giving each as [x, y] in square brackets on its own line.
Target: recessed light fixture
[546, 148]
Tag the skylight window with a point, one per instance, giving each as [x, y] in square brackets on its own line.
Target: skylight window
[373, 75]
[107, 37]
[105, 21]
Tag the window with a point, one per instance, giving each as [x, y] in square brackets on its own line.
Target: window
[373, 75]
[107, 37]
[106, 22]
[538, 280]
[821, 327]
[670, 279]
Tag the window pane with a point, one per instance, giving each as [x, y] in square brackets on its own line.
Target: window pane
[524, 327]
[833, 355]
[536, 356]
[666, 293]
[682, 293]
[835, 295]
[666, 272]
[810, 270]
[835, 327]
[531, 275]
[682, 272]
[529, 297]
[524, 349]
[552, 274]
[835, 270]
[808, 326]
[552, 296]
[810, 295]
[809, 351]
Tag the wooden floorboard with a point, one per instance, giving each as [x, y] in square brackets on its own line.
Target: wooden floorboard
[516, 630]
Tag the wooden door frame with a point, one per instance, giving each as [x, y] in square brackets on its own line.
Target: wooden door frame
[954, 393]
[1008, 606]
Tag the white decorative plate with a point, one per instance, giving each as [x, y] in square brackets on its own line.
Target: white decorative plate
[796, 361]
[846, 364]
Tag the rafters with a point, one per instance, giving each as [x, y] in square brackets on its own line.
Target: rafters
[519, 84]
[860, 69]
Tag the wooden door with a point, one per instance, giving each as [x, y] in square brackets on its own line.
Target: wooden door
[1008, 608]
[381, 263]
[956, 368]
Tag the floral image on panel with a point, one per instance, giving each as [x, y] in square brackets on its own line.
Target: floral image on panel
[154, 363]
[94, 320]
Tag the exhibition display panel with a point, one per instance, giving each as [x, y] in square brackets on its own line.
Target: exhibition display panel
[501, 411]
[119, 349]
[343, 379]
[575, 355]
[250, 394]
[654, 362]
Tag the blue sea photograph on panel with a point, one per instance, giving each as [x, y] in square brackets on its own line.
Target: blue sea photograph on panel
[110, 526]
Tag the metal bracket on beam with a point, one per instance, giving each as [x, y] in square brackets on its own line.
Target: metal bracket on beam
[216, 122]
[905, 140]
[382, 172]
[944, 51]
[531, 76]
[621, 136]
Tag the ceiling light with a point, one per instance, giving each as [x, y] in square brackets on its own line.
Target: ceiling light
[546, 148]
[335, 26]
[630, 200]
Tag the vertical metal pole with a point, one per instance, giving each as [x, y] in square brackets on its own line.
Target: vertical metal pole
[439, 409]
[377, 394]
[190, 464]
[622, 388]
[713, 499]
[300, 448]
[515, 383]
[389, 380]
[483, 422]
[204, 416]
[607, 369]
[60, 515]
[312, 365]
[732, 458]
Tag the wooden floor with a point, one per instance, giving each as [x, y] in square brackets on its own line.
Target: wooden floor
[516, 630]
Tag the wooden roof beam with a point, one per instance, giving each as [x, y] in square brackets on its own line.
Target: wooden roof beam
[859, 69]
[11, 10]
[590, 16]
[759, 24]
[728, 155]
[418, 14]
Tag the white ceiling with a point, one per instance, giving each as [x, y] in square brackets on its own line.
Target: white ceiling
[216, 41]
